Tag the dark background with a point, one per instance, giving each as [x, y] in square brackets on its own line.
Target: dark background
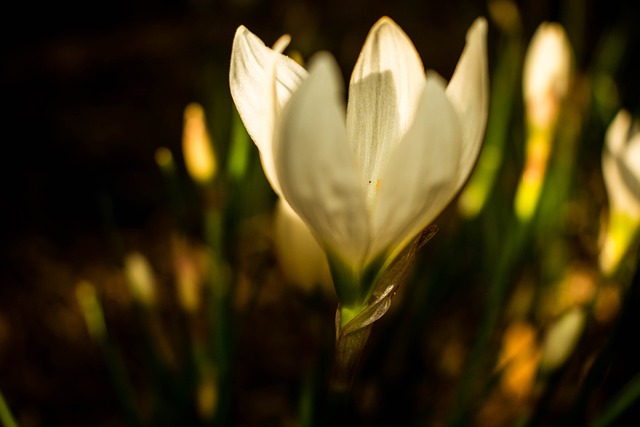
[91, 89]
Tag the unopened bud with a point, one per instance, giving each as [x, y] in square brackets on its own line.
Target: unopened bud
[546, 75]
[197, 145]
[302, 260]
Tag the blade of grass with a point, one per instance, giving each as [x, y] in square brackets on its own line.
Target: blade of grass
[5, 414]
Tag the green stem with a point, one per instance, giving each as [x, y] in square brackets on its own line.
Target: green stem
[5, 414]
[497, 292]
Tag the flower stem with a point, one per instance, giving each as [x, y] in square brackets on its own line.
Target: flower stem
[348, 355]
[5, 414]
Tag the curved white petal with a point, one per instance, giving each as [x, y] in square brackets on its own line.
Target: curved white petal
[255, 94]
[468, 91]
[301, 258]
[632, 156]
[383, 92]
[419, 179]
[618, 131]
[621, 165]
[630, 169]
[317, 171]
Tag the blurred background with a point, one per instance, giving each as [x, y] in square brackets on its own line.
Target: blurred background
[93, 90]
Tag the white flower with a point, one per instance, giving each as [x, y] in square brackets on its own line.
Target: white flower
[368, 181]
[546, 74]
[302, 260]
[621, 164]
[140, 278]
[621, 171]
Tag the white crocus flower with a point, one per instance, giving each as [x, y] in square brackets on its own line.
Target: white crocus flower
[369, 181]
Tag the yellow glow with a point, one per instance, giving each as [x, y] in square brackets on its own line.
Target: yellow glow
[546, 75]
[532, 179]
[518, 380]
[518, 338]
[197, 145]
[621, 232]
[519, 358]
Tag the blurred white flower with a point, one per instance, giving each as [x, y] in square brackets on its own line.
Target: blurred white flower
[368, 181]
[301, 258]
[547, 74]
[546, 78]
[621, 171]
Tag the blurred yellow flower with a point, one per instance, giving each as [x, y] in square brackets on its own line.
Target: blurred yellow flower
[518, 360]
[197, 146]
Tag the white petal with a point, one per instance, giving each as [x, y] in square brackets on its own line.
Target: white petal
[383, 92]
[630, 172]
[251, 80]
[621, 165]
[468, 91]
[301, 258]
[317, 171]
[632, 157]
[419, 180]
[617, 133]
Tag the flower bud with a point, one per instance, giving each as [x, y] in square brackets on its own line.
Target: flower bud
[301, 258]
[546, 74]
[197, 146]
